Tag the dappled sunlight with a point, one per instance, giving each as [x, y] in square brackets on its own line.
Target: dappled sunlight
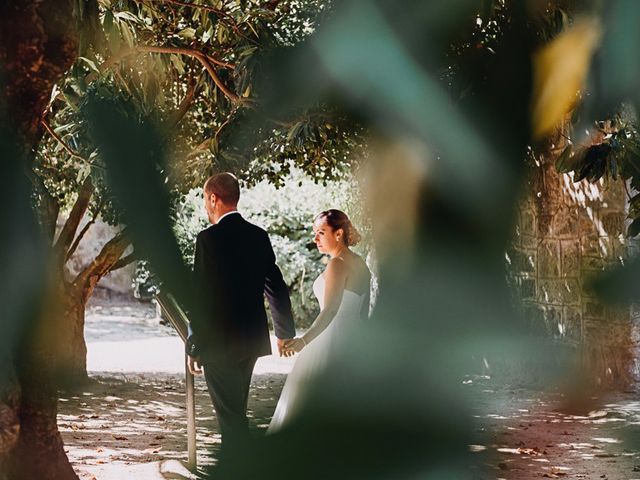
[606, 440]
[437, 102]
[522, 434]
[132, 423]
[145, 422]
[134, 419]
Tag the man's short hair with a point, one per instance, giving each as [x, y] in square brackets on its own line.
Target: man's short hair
[225, 186]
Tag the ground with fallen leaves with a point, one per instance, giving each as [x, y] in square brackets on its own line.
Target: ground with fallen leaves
[131, 423]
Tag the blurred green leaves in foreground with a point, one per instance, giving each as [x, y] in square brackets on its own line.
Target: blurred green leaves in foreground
[390, 403]
[449, 96]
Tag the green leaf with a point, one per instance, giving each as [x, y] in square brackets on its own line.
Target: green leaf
[127, 34]
[206, 36]
[187, 33]
[90, 63]
[562, 164]
[128, 16]
[177, 62]
[107, 21]
[634, 228]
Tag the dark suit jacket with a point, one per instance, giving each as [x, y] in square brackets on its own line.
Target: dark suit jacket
[234, 268]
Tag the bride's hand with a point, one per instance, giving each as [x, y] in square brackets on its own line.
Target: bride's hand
[295, 344]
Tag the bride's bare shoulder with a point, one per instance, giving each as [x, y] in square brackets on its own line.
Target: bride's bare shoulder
[337, 266]
[361, 265]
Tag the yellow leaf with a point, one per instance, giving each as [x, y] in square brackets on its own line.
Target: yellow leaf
[559, 71]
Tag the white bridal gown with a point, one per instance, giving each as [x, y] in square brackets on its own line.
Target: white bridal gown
[314, 356]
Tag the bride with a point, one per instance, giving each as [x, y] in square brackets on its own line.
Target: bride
[343, 293]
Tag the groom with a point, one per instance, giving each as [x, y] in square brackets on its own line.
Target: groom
[234, 268]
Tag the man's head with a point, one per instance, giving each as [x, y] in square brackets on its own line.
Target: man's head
[221, 195]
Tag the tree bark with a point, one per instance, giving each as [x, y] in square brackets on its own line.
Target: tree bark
[38, 44]
[39, 452]
[74, 315]
[76, 296]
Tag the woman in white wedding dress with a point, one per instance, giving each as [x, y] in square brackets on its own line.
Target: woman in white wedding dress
[343, 293]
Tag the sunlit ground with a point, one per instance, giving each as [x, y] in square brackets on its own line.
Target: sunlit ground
[132, 423]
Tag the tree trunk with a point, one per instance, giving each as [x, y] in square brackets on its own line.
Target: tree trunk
[76, 295]
[38, 44]
[74, 314]
[39, 452]
[40, 367]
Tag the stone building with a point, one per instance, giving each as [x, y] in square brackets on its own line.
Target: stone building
[566, 234]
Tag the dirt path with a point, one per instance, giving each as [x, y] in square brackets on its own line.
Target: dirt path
[132, 423]
[522, 435]
[136, 419]
[129, 421]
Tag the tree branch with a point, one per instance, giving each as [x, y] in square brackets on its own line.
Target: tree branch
[198, 55]
[71, 225]
[110, 254]
[82, 233]
[626, 189]
[220, 63]
[49, 209]
[183, 108]
[124, 261]
[201, 147]
[69, 150]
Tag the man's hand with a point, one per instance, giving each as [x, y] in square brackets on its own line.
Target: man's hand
[295, 344]
[282, 350]
[194, 365]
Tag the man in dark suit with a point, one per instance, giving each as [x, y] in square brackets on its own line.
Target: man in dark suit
[234, 268]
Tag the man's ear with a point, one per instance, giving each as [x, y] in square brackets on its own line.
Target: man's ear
[213, 198]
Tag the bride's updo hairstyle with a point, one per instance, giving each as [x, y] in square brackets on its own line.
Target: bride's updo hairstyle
[337, 219]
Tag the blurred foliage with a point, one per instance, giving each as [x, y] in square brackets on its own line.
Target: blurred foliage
[286, 212]
[449, 81]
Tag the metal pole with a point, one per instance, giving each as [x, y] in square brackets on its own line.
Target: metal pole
[191, 418]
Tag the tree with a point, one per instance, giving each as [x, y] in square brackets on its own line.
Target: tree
[33, 58]
[173, 62]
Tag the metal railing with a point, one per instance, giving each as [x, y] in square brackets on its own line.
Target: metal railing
[177, 317]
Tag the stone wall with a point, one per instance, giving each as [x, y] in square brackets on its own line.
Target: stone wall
[567, 233]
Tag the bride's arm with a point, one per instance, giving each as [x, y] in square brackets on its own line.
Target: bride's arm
[335, 277]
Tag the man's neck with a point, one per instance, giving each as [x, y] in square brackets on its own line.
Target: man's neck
[227, 212]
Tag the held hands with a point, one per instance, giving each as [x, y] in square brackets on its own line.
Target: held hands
[289, 346]
[194, 365]
[282, 350]
[295, 344]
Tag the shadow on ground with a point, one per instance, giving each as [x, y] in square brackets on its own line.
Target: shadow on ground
[126, 422]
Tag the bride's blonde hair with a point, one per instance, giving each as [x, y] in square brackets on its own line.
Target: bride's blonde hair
[338, 219]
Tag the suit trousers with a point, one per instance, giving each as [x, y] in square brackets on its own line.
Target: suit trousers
[228, 384]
